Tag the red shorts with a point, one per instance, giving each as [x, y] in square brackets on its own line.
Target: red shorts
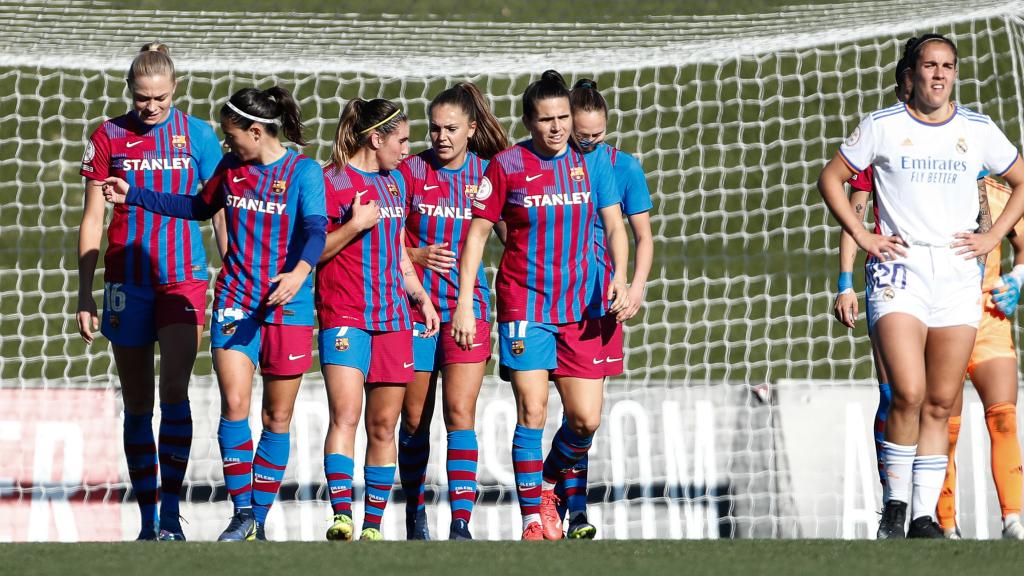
[285, 350]
[452, 353]
[391, 358]
[180, 303]
[611, 345]
[579, 350]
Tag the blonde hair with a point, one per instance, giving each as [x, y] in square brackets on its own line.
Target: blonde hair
[154, 59]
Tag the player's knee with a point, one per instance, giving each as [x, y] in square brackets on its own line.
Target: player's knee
[904, 403]
[412, 420]
[460, 417]
[584, 425]
[379, 431]
[277, 419]
[533, 413]
[937, 410]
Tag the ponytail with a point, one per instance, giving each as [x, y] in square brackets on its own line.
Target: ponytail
[359, 119]
[154, 59]
[489, 138]
[274, 107]
[585, 97]
[550, 85]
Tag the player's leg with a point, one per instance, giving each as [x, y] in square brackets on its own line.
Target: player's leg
[344, 360]
[882, 411]
[179, 317]
[901, 341]
[947, 352]
[391, 361]
[460, 391]
[235, 369]
[414, 434]
[945, 511]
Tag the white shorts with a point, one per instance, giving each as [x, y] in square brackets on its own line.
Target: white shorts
[931, 283]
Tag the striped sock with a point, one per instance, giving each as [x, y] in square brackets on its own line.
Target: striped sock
[175, 444]
[413, 455]
[526, 461]
[575, 482]
[235, 442]
[899, 471]
[462, 460]
[567, 448]
[929, 474]
[140, 451]
[267, 471]
[339, 469]
[378, 489]
[881, 415]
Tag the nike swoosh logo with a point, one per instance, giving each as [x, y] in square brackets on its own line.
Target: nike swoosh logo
[534, 177]
[237, 179]
[189, 309]
[596, 361]
[476, 345]
[610, 359]
[134, 144]
[430, 187]
[294, 357]
[407, 364]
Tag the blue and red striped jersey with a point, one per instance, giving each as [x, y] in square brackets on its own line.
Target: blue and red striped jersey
[174, 156]
[362, 286]
[634, 198]
[264, 207]
[439, 210]
[549, 206]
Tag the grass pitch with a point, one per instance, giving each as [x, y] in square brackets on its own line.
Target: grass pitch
[692, 558]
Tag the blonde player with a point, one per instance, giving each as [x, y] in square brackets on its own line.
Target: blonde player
[925, 284]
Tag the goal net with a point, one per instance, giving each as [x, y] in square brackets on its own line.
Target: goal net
[745, 410]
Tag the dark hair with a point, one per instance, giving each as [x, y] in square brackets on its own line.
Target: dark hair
[902, 67]
[550, 85]
[270, 104]
[489, 138]
[153, 59]
[913, 48]
[359, 119]
[585, 97]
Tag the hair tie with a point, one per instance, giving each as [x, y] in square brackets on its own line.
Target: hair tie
[250, 116]
[382, 122]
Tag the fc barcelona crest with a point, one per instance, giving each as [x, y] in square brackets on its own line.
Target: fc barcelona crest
[228, 329]
[279, 186]
[341, 344]
[518, 347]
[470, 191]
[115, 321]
[393, 188]
[576, 173]
[178, 141]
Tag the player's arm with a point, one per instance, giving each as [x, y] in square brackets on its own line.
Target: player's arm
[618, 248]
[417, 294]
[463, 320]
[220, 233]
[90, 234]
[831, 186]
[312, 212]
[643, 243]
[117, 191]
[501, 231]
[973, 245]
[846, 307]
[362, 217]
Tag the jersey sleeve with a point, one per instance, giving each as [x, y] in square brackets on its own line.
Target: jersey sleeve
[312, 201]
[858, 150]
[862, 181]
[636, 197]
[96, 159]
[208, 150]
[491, 196]
[213, 190]
[999, 154]
[602, 180]
[405, 174]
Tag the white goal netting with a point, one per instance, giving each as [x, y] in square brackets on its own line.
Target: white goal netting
[718, 427]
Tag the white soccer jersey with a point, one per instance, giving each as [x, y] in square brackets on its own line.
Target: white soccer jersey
[926, 174]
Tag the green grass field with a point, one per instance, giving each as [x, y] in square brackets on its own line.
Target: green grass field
[693, 558]
[745, 250]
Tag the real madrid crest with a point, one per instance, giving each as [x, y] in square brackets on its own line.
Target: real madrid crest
[341, 344]
[279, 186]
[178, 141]
[470, 190]
[888, 293]
[961, 145]
[576, 173]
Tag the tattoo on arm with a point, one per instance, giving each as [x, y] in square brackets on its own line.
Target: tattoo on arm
[984, 213]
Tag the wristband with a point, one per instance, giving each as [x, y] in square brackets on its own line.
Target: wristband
[846, 280]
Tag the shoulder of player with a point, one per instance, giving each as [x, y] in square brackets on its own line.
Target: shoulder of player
[893, 111]
[972, 116]
[198, 127]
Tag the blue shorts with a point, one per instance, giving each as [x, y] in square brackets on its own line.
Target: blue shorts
[133, 314]
[425, 351]
[573, 349]
[526, 345]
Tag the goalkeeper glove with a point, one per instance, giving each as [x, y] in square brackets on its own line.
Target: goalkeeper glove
[1007, 295]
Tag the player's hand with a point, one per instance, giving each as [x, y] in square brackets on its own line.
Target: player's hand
[431, 321]
[88, 319]
[618, 297]
[364, 216]
[636, 299]
[846, 308]
[288, 284]
[972, 245]
[1007, 295]
[464, 326]
[884, 248]
[115, 190]
[436, 257]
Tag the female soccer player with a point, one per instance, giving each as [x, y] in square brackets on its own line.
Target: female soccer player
[443, 181]
[273, 199]
[549, 195]
[155, 279]
[926, 290]
[590, 124]
[363, 286]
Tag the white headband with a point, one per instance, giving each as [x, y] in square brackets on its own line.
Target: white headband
[250, 116]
